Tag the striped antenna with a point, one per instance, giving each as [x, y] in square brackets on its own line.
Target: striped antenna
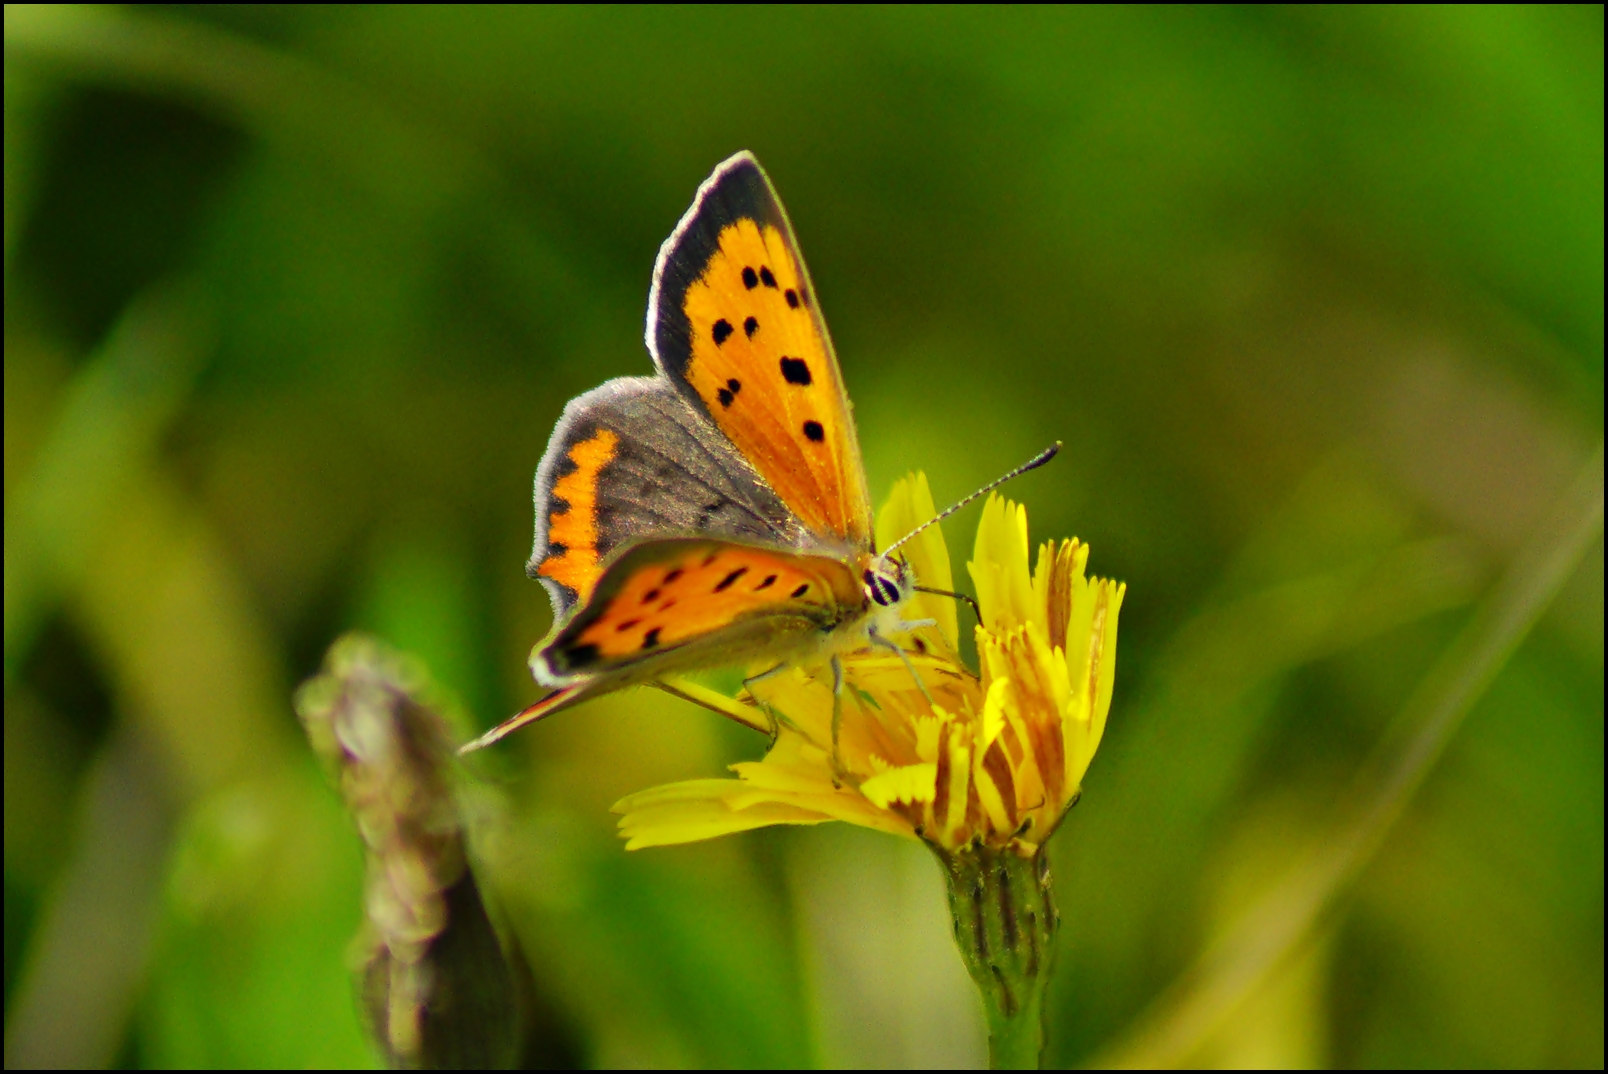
[1031, 464]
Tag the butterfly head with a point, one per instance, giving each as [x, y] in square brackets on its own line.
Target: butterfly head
[887, 582]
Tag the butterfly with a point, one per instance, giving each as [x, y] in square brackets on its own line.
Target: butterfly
[714, 513]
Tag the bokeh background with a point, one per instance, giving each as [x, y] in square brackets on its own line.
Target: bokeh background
[293, 297]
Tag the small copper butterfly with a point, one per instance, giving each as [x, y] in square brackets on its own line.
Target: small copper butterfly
[715, 513]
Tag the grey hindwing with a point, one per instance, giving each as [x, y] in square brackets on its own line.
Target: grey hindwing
[672, 474]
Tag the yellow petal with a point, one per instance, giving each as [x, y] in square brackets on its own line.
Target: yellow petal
[953, 821]
[1105, 667]
[705, 818]
[908, 506]
[911, 784]
[992, 795]
[772, 776]
[1058, 568]
[671, 793]
[999, 567]
[999, 693]
[928, 729]
[1091, 653]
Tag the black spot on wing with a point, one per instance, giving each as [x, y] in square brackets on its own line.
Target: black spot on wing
[765, 274]
[801, 590]
[627, 625]
[672, 576]
[796, 371]
[730, 579]
[792, 298]
[750, 326]
[650, 596]
[722, 331]
[770, 580]
[750, 280]
[813, 431]
[651, 638]
[725, 396]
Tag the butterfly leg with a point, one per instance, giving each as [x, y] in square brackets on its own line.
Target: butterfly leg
[878, 639]
[764, 676]
[770, 713]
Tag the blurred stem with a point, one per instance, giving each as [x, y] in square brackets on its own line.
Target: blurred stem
[63, 512]
[86, 961]
[1005, 923]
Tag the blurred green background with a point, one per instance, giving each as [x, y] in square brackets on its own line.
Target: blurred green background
[293, 297]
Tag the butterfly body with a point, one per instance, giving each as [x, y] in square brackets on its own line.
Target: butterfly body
[715, 513]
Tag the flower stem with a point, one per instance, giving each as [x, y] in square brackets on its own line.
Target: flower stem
[1005, 923]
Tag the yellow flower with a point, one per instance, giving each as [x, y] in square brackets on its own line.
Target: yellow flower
[957, 759]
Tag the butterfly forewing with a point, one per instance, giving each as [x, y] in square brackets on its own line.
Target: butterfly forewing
[733, 320]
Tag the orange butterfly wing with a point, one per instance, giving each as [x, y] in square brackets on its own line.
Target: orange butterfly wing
[733, 322]
[667, 600]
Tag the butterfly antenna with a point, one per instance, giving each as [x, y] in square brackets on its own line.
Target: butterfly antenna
[1031, 464]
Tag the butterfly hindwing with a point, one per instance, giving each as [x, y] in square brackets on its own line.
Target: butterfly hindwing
[679, 602]
[630, 461]
[733, 321]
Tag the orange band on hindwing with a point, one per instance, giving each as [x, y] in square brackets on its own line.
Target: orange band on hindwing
[665, 594]
[665, 604]
[572, 558]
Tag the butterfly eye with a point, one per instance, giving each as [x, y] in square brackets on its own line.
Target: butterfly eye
[880, 590]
